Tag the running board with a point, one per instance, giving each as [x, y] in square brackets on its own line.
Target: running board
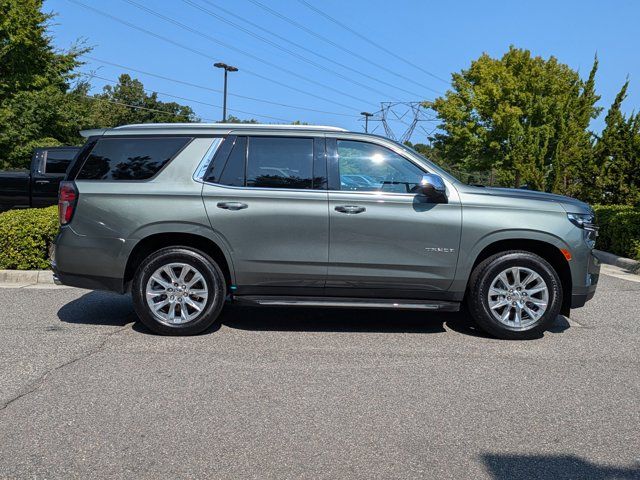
[338, 302]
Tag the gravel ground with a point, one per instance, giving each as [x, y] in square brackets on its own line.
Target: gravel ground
[308, 393]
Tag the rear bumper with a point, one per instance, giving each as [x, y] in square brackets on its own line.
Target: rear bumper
[85, 262]
[88, 282]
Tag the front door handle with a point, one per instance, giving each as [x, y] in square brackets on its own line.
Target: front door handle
[350, 209]
[232, 205]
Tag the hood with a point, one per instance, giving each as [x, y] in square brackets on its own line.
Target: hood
[571, 205]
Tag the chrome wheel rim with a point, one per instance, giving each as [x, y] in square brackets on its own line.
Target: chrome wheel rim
[176, 293]
[518, 297]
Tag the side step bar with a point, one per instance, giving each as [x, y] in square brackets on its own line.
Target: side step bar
[339, 302]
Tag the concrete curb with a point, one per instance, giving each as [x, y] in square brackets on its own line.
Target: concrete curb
[621, 262]
[26, 277]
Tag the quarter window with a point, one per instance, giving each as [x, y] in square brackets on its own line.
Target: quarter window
[367, 167]
[130, 158]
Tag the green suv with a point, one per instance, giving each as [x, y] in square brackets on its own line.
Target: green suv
[189, 216]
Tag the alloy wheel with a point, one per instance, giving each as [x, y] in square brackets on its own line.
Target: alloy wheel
[518, 297]
[177, 293]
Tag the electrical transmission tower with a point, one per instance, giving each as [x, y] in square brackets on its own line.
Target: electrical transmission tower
[411, 115]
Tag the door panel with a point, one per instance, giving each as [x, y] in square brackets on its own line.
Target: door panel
[279, 239]
[385, 239]
[269, 202]
[397, 242]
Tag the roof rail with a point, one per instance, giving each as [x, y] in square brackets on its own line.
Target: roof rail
[232, 126]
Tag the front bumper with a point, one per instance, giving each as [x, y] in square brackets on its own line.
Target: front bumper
[584, 286]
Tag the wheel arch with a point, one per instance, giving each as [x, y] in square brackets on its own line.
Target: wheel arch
[550, 252]
[154, 242]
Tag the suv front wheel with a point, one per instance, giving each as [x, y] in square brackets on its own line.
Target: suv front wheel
[514, 295]
[178, 291]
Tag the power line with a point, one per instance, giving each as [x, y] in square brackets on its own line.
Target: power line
[91, 75]
[337, 45]
[242, 52]
[91, 97]
[205, 55]
[210, 89]
[281, 48]
[368, 40]
[297, 45]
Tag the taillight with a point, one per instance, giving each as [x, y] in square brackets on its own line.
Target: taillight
[67, 199]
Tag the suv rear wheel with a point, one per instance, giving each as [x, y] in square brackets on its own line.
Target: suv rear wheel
[178, 291]
[514, 295]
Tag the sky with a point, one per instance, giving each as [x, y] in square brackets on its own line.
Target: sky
[297, 64]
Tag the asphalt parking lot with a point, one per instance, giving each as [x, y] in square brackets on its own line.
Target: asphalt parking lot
[306, 393]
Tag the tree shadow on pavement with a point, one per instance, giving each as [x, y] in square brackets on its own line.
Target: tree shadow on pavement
[99, 308]
[556, 467]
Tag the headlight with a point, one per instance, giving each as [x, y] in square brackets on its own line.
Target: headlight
[587, 222]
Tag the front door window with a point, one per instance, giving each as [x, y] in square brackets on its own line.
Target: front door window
[367, 167]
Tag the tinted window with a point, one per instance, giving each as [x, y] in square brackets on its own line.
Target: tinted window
[280, 162]
[368, 167]
[233, 173]
[59, 160]
[129, 158]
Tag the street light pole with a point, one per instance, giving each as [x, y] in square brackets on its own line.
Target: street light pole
[227, 69]
[366, 120]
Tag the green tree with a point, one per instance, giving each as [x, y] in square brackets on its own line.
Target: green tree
[127, 102]
[524, 117]
[617, 155]
[232, 119]
[35, 109]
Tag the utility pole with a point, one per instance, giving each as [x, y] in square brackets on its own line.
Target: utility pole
[366, 120]
[227, 69]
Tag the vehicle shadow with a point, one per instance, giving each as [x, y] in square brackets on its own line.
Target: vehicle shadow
[99, 308]
[556, 467]
[314, 319]
[105, 308]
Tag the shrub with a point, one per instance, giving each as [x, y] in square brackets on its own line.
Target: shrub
[619, 229]
[635, 254]
[26, 236]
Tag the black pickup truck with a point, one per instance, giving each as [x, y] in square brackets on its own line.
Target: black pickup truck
[38, 186]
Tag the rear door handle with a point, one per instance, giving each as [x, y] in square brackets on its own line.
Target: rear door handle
[42, 182]
[232, 205]
[350, 209]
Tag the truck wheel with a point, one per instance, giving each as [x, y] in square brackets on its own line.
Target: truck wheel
[178, 291]
[514, 295]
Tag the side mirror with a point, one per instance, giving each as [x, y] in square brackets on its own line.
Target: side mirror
[432, 186]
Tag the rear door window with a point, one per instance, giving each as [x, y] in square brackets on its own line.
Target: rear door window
[130, 158]
[280, 162]
[233, 173]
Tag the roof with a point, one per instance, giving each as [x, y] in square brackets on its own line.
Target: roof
[200, 127]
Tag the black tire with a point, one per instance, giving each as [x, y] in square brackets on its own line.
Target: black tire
[483, 276]
[205, 265]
